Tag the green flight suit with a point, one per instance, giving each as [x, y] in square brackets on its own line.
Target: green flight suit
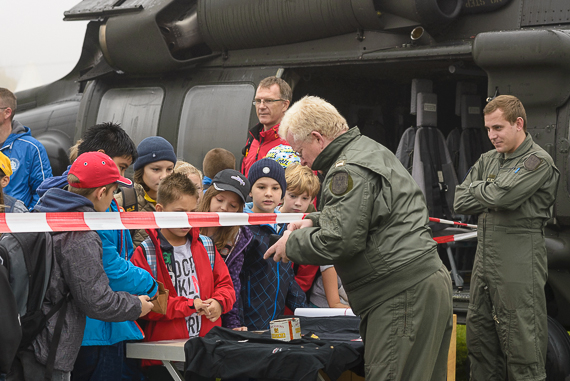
[373, 226]
[507, 331]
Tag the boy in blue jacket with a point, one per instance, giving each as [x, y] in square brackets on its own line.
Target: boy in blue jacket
[266, 286]
[102, 353]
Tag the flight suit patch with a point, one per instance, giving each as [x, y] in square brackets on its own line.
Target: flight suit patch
[491, 178]
[532, 162]
[341, 183]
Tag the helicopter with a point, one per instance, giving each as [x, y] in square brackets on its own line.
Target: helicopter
[188, 70]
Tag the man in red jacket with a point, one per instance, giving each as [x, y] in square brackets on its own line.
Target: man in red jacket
[272, 99]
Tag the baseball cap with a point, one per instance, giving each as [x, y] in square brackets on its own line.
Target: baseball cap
[233, 181]
[5, 164]
[95, 169]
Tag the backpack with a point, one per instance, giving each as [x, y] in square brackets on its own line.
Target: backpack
[29, 258]
[209, 246]
[11, 333]
[130, 200]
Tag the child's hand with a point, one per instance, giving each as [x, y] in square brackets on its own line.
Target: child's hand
[240, 329]
[146, 305]
[201, 306]
[214, 310]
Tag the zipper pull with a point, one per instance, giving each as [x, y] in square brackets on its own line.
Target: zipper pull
[496, 319]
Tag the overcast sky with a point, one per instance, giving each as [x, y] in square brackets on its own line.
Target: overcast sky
[38, 47]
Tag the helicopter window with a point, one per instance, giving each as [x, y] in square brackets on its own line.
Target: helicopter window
[137, 110]
[214, 116]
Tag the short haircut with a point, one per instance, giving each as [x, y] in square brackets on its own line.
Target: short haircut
[284, 88]
[301, 179]
[109, 137]
[511, 107]
[85, 192]
[8, 99]
[217, 160]
[187, 169]
[173, 187]
[312, 114]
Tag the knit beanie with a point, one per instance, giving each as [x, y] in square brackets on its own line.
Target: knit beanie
[153, 149]
[268, 168]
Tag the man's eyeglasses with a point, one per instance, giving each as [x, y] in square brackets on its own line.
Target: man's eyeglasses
[258, 102]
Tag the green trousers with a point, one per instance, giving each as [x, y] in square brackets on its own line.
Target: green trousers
[407, 337]
[507, 329]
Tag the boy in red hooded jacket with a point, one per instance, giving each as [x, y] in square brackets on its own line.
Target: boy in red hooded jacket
[199, 284]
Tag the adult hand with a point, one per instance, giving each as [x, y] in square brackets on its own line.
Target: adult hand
[306, 223]
[240, 329]
[146, 305]
[214, 310]
[278, 250]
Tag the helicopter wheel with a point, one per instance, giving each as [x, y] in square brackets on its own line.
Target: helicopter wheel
[558, 352]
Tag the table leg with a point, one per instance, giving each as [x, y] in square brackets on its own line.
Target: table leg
[176, 376]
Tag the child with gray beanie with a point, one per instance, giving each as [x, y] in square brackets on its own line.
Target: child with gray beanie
[156, 160]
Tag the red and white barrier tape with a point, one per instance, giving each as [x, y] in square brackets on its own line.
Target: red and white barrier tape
[448, 222]
[455, 237]
[77, 221]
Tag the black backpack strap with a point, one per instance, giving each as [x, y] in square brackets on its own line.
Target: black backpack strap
[130, 202]
[62, 306]
[245, 150]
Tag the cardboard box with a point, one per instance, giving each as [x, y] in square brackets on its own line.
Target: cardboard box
[285, 329]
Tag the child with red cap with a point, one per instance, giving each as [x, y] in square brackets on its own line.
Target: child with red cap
[77, 271]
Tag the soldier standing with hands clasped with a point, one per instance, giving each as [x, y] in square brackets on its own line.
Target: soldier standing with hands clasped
[512, 188]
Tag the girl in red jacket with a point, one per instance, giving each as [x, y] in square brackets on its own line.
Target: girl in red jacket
[199, 284]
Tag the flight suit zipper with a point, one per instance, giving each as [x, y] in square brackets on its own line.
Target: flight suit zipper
[405, 311]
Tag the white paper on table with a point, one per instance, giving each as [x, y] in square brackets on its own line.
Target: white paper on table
[323, 312]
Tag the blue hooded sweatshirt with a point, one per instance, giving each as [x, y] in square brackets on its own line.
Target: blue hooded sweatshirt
[59, 200]
[30, 164]
[122, 274]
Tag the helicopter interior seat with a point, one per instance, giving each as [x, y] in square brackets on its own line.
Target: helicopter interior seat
[453, 142]
[453, 139]
[433, 170]
[474, 140]
[405, 150]
[432, 167]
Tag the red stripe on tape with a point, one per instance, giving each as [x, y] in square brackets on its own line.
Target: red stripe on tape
[444, 239]
[203, 219]
[3, 225]
[262, 218]
[133, 220]
[60, 222]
